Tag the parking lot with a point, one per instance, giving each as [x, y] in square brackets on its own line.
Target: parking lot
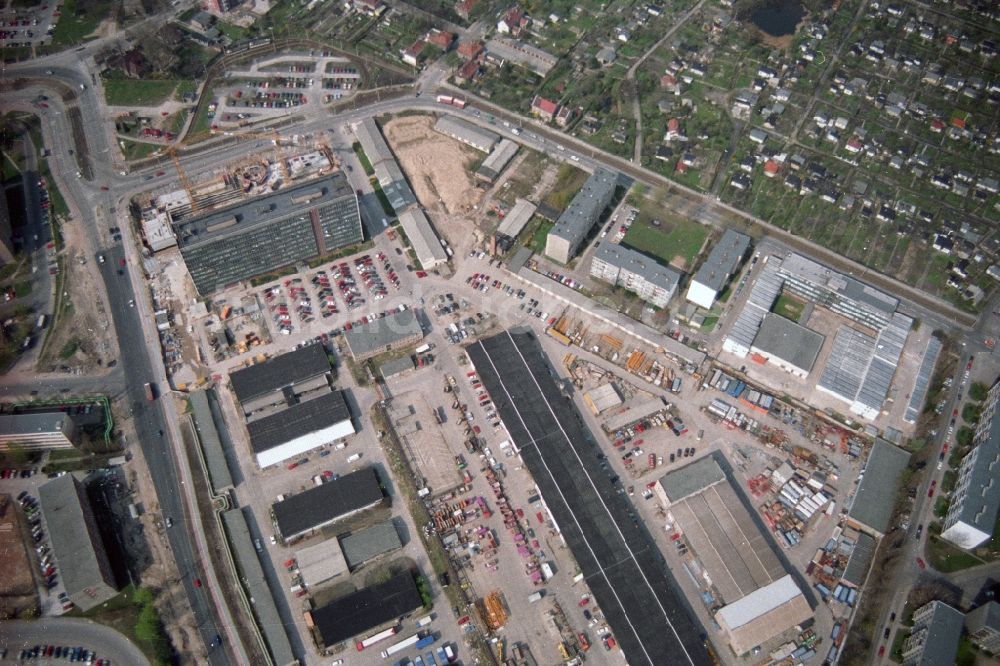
[28, 26]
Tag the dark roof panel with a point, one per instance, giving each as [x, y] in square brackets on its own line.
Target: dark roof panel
[298, 420]
[326, 503]
[278, 372]
[367, 609]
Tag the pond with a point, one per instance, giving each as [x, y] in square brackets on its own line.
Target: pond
[778, 18]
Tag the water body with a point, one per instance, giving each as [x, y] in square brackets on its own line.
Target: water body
[778, 18]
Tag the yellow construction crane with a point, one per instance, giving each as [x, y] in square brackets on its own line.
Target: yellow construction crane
[185, 183]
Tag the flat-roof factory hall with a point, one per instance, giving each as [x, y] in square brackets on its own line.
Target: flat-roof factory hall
[621, 564]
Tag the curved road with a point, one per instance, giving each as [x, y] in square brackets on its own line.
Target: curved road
[17, 635]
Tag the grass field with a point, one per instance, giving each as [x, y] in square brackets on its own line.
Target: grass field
[789, 307]
[136, 150]
[569, 180]
[947, 559]
[77, 20]
[537, 241]
[676, 242]
[129, 92]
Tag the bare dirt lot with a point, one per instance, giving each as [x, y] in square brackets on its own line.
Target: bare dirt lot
[439, 171]
[17, 589]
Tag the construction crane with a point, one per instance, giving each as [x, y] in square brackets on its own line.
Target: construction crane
[185, 183]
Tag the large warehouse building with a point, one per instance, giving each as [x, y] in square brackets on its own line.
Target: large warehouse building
[265, 386]
[469, 134]
[327, 504]
[871, 510]
[366, 610]
[301, 427]
[37, 431]
[581, 215]
[266, 233]
[975, 502]
[634, 271]
[396, 330]
[733, 550]
[719, 266]
[763, 614]
[76, 542]
[623, 567]
[422, 236]
[788, 345]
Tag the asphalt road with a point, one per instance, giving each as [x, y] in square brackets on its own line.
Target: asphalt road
[17, 635]
[150, 429]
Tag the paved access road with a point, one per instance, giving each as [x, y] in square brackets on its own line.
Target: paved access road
[17, 635]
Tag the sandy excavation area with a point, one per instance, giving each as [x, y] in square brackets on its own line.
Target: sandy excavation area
[438, 169]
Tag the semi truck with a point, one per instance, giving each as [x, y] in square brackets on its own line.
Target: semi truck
[400, 646]
[425, 641]
[372, 640]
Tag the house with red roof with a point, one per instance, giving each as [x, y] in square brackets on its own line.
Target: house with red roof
[411, 56]
[673, 130]
[513, 22]
[470, 50]
[464, 8]
[543, 108]
[441, 39]
[468, 72]
[771, 168]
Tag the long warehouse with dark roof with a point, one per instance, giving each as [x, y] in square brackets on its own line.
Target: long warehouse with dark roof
[367, 609]
[621, 564]
[324, 505]
[300, 428]
[264, 384]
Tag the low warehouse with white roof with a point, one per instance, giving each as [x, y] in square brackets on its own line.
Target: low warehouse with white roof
[763, 614]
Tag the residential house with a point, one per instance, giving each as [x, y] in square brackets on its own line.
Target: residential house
[370, 7]
[464, 8]
[513, 22]
[470, 50]
[673, 130]
[132, 63]
[412, 55]
[468, 72]
[441, 39]
[543, 108]
[564, 116]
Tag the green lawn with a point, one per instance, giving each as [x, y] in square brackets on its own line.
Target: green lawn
[790, 307]
[676, 242]
[78, 20]
[129, 92]
[946, 558]
[537, 241]
[136, 150]
[365, 162]
[569, 180]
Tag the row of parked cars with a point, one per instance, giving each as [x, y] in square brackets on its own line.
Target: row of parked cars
[33, 513]
[11, 473]
[74, 654]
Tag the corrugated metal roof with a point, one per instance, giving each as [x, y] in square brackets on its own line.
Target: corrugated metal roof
[423, 238]
[759, 602]
[211, 443]
[923, 380]
[498, 159]
[253, 578]
[878, 378]
[517, 218]
[279, 372]
[370, 137]
[847, 363]
[466, 132]
[321, 562]
[323, 504]
[383, 332]
[691, 479]
[860, 560]
[299, 420]
[873, 501]
[370, 543]
[762, 296]
[784, 339]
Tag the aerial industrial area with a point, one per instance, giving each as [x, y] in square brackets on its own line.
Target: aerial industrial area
[414, 332]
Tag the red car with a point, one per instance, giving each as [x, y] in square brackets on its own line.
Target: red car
[930, 491]
[881, 651]
[161, 173]
[921, 563]
[197, 583]
[584, 602]
[421, 274]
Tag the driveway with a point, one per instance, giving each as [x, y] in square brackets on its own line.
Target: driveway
[105, 641]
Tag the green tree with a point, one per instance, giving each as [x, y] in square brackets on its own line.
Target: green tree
[978, 391]
[971, 412]
[147, 626]
[964, 436]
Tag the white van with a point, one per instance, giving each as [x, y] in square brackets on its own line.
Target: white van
[354, 457]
